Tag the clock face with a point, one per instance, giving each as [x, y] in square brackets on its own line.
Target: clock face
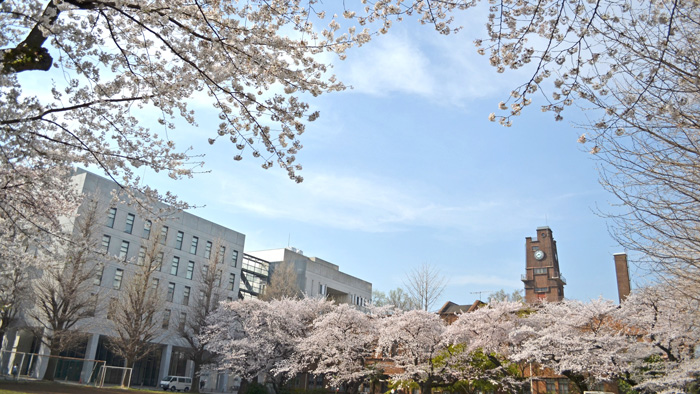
[539, 255]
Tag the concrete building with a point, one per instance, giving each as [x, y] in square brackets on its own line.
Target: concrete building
[319, 277]
[187, 247]
[543, 280]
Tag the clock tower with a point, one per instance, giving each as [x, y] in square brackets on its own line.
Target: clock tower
[542, 278]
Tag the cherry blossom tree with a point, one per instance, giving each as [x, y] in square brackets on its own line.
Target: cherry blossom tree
[120, 74]
[253, 338]
[665, 333]
[339, 346]
[413, 340]
[486, 343]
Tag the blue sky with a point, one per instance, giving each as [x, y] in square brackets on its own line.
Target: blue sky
[405, 169]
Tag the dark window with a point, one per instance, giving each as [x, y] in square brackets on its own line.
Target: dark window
[234, 258]
[159, 260]
[220, 256]
[178, 240]
[186, 296]
[174, 266]
[190, 270]
[129, 223]
[124, 250]
[142, 256]
[163, 234]
[118, 275]
[231, 281]
[207, 250]
[171, 291]
[166, 318]
[193, 246]
[99, 270]
[147, 229]
[111, 214]
[105, 243]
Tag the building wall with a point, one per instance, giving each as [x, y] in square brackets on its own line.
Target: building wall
[107, 194]
[543, 280]
[315, 275]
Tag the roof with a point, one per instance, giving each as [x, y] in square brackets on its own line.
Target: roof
[450, 308]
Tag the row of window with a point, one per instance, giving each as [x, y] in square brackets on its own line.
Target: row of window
[179, 238]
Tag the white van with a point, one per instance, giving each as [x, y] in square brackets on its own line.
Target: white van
[176, 383]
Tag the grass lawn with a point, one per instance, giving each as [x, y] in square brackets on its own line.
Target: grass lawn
[36, 387]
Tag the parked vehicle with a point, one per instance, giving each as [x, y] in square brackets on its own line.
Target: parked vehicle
[176, 383]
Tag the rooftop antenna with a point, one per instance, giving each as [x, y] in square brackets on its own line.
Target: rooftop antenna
[479, 293]
[289, 239]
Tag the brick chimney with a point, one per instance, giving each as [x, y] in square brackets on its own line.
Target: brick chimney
[623, 275]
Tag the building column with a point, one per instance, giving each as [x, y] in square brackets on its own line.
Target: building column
[41, 362]
[90, 354]
[165, 362]
[9, 347]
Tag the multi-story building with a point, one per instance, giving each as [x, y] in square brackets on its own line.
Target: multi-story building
[319, 277]
[188, 244]
[543, 280]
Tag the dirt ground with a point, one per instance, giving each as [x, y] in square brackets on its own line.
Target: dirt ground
[62, 388]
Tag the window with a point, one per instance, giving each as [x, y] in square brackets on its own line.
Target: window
[93, 305]
[124, 250]
[171, 292]
[118, 275]
[234, 258]
[205, 272]
[217, 278]
[190, 270]
[541, 289]
[186, 296]
[111, 308]
[183, 320]
[551, 386]
[207, 250]
[193, 246]
[540, 271]
[166, 318]
[220, 256]
[563, 386]
[163, 234]
[99, 270]
[105, 243]
[175, 264]
[178, 240]
[147, 229]
[142, 256]
[159, 260]
[154, 283]
[111, 214]
[231, 281]
[129, 223]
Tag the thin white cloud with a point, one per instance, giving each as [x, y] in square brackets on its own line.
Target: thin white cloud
[372, 204]
[392, 63]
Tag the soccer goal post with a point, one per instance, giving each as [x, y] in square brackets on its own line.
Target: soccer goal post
[112, 375]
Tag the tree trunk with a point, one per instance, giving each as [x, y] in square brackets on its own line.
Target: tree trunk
[426, 387]
[50, 372]
[196, 378]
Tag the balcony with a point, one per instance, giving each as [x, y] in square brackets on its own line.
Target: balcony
[524, 278]
[559, 278]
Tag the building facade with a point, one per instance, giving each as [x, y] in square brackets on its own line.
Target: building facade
[188, 244]
[543, 280]
[317, 277]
